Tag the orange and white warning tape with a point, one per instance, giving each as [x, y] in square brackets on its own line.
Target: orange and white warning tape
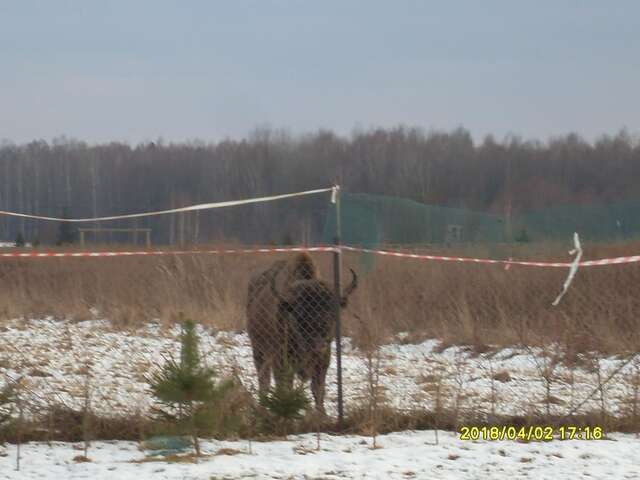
[133, 253]
[391, 253]
[440, 258]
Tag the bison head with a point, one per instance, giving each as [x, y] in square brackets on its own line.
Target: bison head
[310, 306]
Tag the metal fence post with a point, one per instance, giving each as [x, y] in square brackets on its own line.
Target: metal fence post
[337, 265]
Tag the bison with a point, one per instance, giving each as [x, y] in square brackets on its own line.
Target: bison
[291, 317]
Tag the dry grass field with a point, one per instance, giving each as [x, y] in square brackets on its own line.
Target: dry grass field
[513, 357]
[470, 304]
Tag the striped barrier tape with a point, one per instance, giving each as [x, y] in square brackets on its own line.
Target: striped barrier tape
[440, 258]
[391, 253]
[163, 252]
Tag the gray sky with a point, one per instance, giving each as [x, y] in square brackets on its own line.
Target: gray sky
[139, 70]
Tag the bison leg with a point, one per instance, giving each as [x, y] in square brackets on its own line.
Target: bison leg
[283, 374]
[263, 368]
[318, 378]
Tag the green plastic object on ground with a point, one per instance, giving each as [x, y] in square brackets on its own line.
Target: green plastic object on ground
[167, 445]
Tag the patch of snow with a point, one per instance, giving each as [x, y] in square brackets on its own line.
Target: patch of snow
[13, 245]
[52, 357]
[402, 455]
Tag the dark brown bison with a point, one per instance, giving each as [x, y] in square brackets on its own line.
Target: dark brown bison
[291, 317]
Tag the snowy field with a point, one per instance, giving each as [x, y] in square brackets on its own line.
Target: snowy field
[407, 455]
[53, 357]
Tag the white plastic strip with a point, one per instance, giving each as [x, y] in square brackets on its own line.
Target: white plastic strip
[202, 206]
[334, 193]
[577, 251]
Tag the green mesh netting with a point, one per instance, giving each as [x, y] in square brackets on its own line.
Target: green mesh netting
[373, 220]
[610, 222]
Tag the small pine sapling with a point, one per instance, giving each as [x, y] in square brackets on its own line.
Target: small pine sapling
[10, 401]
[286, 403]
[190, 387]
[7, 405]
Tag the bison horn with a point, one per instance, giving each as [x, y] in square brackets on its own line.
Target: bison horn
[349, 290]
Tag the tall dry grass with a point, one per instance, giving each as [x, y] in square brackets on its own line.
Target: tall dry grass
[459, 303]
[488, 304]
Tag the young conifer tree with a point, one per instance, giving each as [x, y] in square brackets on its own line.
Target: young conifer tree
[189, 386]
[7, 400]
[286, 402]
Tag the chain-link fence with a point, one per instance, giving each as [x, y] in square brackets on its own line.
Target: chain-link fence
[439, 341]
[416, 331]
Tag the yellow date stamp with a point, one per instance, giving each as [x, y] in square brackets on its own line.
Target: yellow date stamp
[531, 433]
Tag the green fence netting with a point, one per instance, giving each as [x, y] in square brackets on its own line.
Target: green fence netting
[373, 220]
[599, 223]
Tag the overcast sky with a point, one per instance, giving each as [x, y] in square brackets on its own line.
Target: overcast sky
[138, 70]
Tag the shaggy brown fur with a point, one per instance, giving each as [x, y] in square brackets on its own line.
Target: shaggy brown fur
[291, 323]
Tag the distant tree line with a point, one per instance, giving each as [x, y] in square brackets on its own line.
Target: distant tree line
[441, 168]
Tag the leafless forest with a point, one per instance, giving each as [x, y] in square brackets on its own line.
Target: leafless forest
[439, 168]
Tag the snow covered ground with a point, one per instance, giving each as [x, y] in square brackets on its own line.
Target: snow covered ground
[54, 356]
[406, 455]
